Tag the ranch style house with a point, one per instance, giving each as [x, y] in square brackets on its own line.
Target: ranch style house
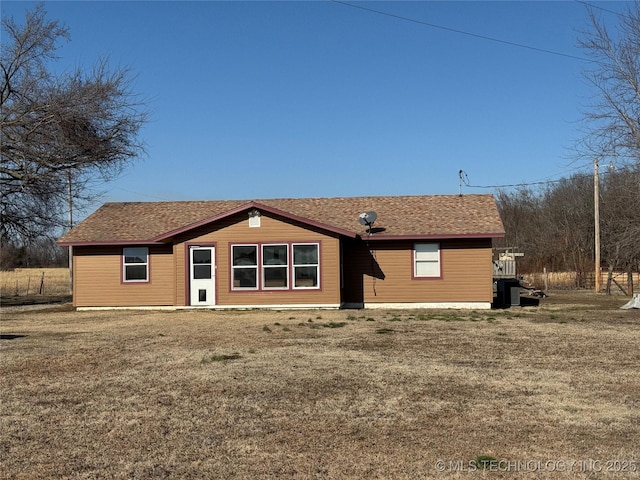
[351, 252]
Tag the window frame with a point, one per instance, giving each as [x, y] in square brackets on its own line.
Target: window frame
[126, 264]
[437, 261]
[305, 265]
[261, 267]
[255, 267]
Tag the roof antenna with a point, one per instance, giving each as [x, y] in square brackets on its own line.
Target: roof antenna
[462, 179]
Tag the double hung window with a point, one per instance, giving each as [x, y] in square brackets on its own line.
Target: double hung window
[426, 260]
[306, 268]
[135, 264]
[245, 266]
[275, 266]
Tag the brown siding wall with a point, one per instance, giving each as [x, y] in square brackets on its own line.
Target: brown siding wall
[380, 272]
[97, 279]
[385, 274]
[236, 230]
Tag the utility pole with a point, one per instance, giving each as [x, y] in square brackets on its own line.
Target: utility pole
[596, 212]
[70, 201]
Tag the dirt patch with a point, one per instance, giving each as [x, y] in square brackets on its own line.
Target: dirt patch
[323, 394]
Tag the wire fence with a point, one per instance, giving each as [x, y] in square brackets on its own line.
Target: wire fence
[620, 281]
[23, 282]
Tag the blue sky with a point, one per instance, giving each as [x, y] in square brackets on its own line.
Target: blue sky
[319, 99]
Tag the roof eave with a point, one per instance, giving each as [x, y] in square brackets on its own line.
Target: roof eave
[438, 236]
[106, 243]
[248, 206]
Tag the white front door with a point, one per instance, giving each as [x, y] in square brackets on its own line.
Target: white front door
[202, 275]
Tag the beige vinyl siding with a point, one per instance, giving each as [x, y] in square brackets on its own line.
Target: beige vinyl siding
[377, 272]
[97, 279]
[386, 273]
[236, 230]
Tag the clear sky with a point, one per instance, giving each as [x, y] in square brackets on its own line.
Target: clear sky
[254, 100]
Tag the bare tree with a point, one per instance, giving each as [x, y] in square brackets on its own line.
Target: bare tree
[552, 226]
[612, 131]
[568, 212]
[57, 130]
[620, 219]
[42, 252]
[612, 121]
[520, 211]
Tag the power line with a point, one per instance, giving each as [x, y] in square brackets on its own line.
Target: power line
[462, 32]
[514, 184]
[590, 5]
[464, 179]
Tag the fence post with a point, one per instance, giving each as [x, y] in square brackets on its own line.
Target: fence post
[42, 284]
[609, 279]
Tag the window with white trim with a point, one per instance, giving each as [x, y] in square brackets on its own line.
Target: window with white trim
[426, 260]
[135, 264]
[245, 266]
[306, 265]
[275, 266]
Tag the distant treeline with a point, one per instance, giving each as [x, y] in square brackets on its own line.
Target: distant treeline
[42, 252]
[554, 225]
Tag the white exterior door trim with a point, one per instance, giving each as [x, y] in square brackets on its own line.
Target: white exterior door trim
[202, 275]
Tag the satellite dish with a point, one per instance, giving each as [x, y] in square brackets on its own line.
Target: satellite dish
[367, 218]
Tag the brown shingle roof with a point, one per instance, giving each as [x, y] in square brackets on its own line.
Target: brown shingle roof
[398, 216]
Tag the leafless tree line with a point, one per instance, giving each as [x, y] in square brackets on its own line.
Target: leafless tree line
[555, 226]
[41, 252]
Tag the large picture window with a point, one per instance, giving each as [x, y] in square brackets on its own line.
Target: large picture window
[275, 266]
[426, 260]
[135, 264]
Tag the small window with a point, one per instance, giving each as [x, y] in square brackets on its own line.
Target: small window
[306, 266]
[245, 266]
[426, 260]
[135, 264]
[201, 264]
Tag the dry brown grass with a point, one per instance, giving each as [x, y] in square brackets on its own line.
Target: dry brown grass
[322, 394]
[572, 280]
[28, 281]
